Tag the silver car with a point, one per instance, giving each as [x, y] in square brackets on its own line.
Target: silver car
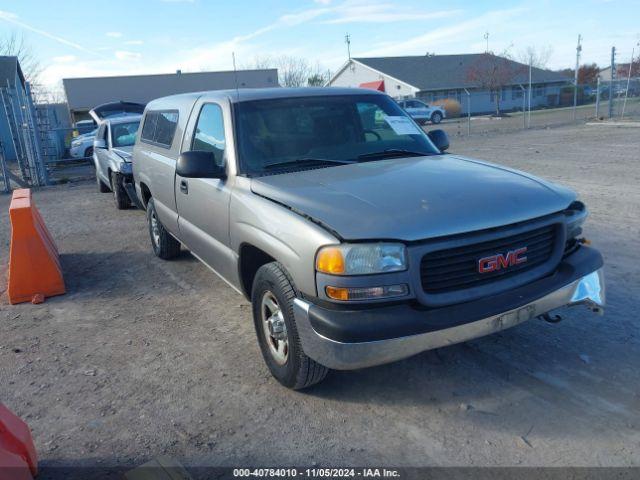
[112, 149]
[422, 112]
[82, 145]
[356, 238]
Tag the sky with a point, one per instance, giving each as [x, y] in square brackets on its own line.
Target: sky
[116, 37]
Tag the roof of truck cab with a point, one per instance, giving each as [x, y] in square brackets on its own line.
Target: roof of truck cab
[249, 94]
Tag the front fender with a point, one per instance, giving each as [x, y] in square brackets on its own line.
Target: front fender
[281, 233]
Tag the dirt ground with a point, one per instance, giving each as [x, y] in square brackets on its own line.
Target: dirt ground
[144, 357]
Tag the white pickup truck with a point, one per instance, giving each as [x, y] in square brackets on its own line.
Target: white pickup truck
[423, 113]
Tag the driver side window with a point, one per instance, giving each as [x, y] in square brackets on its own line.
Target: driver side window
[209, 133]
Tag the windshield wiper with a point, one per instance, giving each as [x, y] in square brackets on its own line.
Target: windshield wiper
[392, 152]
[299, 161]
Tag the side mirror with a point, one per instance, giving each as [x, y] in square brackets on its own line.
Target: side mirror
[99, 144]
[199, 164]
[440, 139]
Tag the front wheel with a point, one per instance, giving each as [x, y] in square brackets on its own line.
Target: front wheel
[436, 118]
[272, 301]
[119, 193]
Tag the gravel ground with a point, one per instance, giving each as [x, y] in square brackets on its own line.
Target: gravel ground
[144, 357]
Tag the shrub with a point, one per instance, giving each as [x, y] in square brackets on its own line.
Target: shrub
[451, 106]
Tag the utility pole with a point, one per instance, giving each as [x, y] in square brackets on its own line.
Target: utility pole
[486, 37]
[575, 82]
[613, 76]
[347, 40]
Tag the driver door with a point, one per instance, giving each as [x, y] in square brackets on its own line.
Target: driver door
[203, 203]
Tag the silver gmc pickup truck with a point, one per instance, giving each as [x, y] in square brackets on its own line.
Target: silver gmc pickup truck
[357, 240]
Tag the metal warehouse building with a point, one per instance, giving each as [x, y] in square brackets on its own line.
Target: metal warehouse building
[85, 93]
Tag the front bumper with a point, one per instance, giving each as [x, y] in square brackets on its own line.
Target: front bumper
[345, 340]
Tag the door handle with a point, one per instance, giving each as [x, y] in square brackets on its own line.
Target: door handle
[184, 187]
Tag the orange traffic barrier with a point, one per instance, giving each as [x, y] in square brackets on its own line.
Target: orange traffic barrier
[18, 458]
[34, 266]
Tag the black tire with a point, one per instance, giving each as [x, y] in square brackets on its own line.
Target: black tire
[436, 118]
[88, 152]
[119, 193]
[298, 371]
[163, 244]
[102, 188]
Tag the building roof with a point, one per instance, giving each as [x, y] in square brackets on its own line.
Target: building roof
[437, 72]
[86, 93]
[8, 68]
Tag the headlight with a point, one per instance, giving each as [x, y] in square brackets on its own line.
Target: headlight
[576, 215]
[361, 258]
[125, 167]
[76, 143]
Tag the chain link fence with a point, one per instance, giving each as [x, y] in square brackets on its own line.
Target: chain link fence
[40, 147]
[518, 107]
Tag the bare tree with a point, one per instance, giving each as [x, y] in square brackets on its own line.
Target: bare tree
[493, 72]
[319, 77]
[292, 71]
[538, 56]
[14, 45]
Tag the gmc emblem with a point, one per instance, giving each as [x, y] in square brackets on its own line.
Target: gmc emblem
[497, 262]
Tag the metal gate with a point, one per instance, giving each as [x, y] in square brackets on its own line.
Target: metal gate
[25, 135]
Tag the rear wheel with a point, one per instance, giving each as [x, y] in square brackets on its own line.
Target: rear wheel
[88, 152]
[272, 301]
[436, 118]
[119, 193]
[163, 244]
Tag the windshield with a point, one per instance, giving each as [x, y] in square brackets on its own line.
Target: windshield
[124, 134]
[288, 132]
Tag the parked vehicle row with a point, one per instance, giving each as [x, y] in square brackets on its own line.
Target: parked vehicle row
[357, 239]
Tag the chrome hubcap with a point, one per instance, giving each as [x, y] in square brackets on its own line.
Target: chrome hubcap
[274, 327]
[155, 230]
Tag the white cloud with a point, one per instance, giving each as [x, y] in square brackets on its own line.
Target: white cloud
[114, 34]
[125, 55]
[8, 15]
[65, 59]
[356, 12]
[13, 18]
[178, 1]
[458, 33]
[323, 2]
[133, 42]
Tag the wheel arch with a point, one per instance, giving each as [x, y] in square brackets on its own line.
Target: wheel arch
[250, 259]
[146, 194]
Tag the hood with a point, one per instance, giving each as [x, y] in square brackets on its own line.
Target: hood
[414, 198]
[123, 152]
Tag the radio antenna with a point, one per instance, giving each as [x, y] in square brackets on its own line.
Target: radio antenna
[235, 74]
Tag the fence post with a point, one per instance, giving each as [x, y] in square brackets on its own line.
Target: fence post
[41, 168]
[597, 98]
[524, 106]
[4, 171]
[468, 111]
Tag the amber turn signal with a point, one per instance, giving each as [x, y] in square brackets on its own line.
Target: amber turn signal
[337, 293]
[330, 260]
